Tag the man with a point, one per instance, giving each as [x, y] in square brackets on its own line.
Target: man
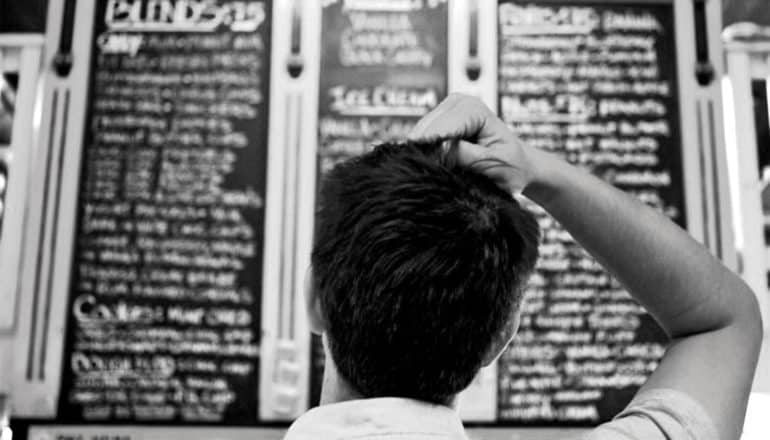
[419, 265]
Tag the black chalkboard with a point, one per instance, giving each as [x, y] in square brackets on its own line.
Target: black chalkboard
[163, 318]
[595, 82]
[383, 66]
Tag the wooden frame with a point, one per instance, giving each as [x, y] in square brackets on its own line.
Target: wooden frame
[50, 224]
[291, 181]
[747, 61]
[19, 53]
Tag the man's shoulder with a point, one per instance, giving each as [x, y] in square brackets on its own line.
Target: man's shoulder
[381, 418]
[659, 414]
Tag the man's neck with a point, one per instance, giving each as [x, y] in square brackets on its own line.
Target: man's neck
[335, 388]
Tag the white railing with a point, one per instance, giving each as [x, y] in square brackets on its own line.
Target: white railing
[20, 54]
[747, 60]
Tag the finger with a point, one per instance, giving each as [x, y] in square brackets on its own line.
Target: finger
[469, 153]
[480, 159]
[420, 131]
[449, 119]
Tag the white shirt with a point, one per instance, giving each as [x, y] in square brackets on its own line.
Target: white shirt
[654, 415]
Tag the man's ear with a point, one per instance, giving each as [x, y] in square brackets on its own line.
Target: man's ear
[313, 305]
[503, 339]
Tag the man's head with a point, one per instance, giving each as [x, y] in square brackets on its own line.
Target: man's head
[418, 270]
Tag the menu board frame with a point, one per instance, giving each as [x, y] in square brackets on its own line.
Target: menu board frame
[37, 351]
[703, 171]
[248, 16]
[565, 102]
[745, 68]
[284, 381]
[16, 162]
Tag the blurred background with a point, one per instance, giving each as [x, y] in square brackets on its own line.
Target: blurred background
[159, 161]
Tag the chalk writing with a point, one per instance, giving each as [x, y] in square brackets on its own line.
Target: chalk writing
[383, 66]
[595, 84]
[164, 311]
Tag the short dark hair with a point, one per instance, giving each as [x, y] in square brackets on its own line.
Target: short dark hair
[419, 264]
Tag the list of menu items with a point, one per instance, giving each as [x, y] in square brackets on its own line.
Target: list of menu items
[164, 308]
[596, 84]
[383, 66]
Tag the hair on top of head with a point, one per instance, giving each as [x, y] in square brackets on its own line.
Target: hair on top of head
[419, 263]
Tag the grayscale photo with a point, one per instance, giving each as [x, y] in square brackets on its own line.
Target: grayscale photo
[384, 219]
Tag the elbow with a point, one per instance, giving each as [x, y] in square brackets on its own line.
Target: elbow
[750, 320]
[758, 323]
[756, 331]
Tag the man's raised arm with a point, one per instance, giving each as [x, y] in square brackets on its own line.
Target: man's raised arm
[709, 312]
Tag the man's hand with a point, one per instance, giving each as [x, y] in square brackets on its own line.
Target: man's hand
[486, 143]
[709, 312]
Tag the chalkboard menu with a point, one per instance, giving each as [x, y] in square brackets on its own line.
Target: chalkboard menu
[163, 321]
[383, 66]
[596, 83]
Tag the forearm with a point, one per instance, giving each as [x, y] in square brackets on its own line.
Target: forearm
[675, 278]
[710, 312]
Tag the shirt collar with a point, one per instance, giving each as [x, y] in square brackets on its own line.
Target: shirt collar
[378, 417]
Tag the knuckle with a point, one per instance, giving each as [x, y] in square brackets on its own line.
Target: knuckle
[457, 96]
[470, 102]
